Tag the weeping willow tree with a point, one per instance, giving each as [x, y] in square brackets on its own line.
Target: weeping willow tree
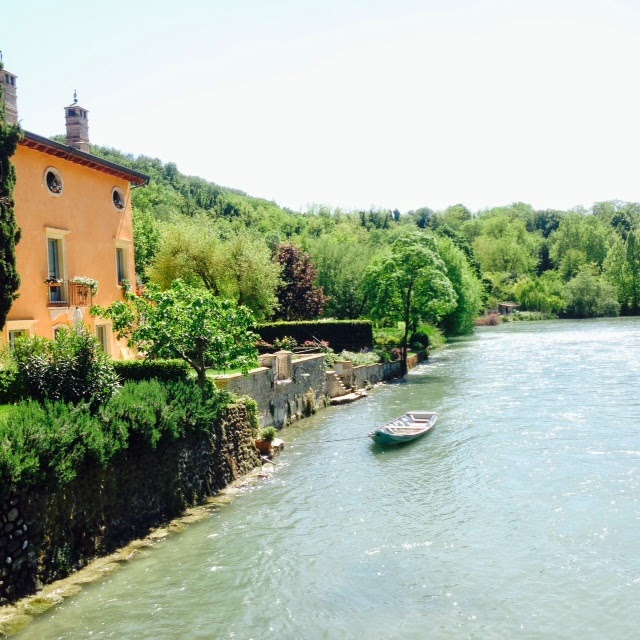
[9, 230]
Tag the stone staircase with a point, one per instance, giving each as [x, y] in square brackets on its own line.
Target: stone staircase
[335, 385]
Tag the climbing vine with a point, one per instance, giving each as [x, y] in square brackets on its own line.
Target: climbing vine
[10, 135]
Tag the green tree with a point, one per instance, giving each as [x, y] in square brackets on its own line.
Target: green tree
[570, 264]
[146, 234]
[238, 268]
[464, 245]
[505, 245]
[421, 217]
[588, 295]
[622, 217]
[586, 234]
[188, 323]
[501, 286]
[632, 303]
[409, 283]
[453, 216]
[468, 288]
[341, 259]
[9, 231]
[622, 269]
[157, 199]
[546, 221]
[376, 219]
[540, 293]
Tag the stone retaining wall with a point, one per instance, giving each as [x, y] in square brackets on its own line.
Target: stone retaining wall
[285, 390]
[373, 373]
[288, 388]
[45, 534]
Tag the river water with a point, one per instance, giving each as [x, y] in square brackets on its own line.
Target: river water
[517, 517]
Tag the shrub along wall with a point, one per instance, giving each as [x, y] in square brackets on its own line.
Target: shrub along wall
[11, 387]
[78, 497]
[352, 335]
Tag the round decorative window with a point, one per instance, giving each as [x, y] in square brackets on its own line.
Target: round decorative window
[118, 198]
[53, 180]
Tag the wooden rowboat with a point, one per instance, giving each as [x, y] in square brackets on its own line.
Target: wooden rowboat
[407, 427]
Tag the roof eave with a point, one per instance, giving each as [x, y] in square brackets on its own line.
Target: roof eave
[50, 147]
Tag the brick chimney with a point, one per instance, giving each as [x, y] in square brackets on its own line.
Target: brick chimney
[10, 95]
[77, 126]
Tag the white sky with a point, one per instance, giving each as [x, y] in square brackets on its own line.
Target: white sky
[351, 103]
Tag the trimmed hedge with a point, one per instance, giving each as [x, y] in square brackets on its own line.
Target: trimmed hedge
[163, 370]
[350, 335]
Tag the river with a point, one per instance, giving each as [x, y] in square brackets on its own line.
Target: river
[517, 517]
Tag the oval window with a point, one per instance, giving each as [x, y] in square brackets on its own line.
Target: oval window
[53, 180]
[118, 198]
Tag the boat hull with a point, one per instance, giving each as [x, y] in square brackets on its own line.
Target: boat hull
[384, 438]
[408, 427]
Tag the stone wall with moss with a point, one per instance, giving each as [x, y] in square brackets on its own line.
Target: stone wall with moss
[44, 536]
[286, 389]
[367, 374]
[305, 386]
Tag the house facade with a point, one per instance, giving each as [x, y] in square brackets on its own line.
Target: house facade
[74, 210]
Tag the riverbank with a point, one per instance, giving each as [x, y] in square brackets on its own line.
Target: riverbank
[51, 529]
[16, 615]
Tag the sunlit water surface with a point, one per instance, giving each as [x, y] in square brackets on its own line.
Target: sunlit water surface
[518, 517]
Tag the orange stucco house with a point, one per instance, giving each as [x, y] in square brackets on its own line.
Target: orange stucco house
[74, 210]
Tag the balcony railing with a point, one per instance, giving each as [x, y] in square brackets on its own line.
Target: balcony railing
[69, 294]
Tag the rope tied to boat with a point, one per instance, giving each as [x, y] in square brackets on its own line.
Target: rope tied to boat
[331, 440]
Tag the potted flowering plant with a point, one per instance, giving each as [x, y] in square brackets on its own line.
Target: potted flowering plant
[286, 343]
[266, 437]
[263, 346]
[89, 283]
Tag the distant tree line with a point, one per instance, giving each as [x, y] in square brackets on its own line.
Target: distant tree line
[341, 264]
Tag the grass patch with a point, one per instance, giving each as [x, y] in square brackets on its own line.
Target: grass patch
[528, 316]
[437, 339]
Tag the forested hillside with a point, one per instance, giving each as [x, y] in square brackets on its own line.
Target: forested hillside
[578, 263]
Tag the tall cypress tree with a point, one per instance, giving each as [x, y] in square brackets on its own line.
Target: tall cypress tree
[9, 230]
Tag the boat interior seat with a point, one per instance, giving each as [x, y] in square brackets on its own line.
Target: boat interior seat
[420, 416]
